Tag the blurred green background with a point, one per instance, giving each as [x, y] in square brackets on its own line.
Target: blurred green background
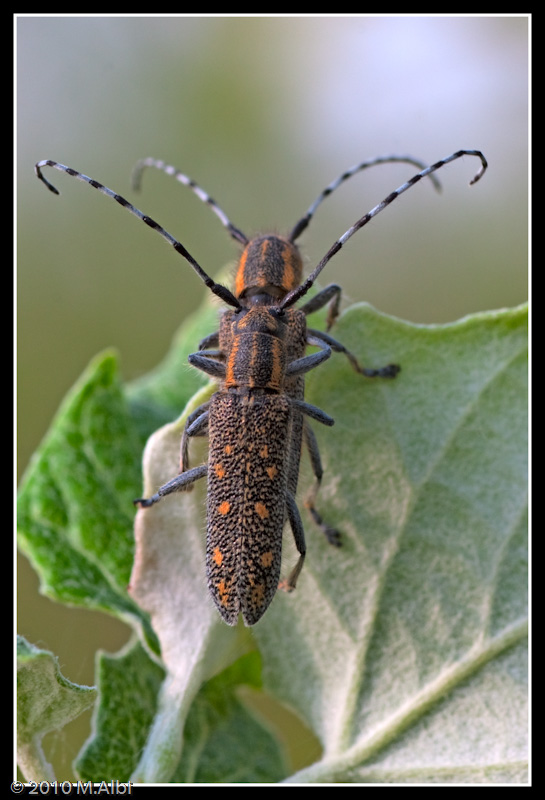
[263, 112]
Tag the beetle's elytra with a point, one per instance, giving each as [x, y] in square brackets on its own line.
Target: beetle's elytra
[257, 420]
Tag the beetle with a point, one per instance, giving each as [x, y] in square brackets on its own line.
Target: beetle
[258, 418]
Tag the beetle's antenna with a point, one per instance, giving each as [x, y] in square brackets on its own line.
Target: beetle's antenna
[221, 291]
[301, 290]
[182, 178]
[304, 221]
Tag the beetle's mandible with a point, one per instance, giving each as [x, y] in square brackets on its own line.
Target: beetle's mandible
[258, 419]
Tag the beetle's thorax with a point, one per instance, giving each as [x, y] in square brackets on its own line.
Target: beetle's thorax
[270, 265]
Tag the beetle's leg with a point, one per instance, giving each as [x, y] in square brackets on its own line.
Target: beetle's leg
[332, 535]
[332, 295]
[299, 535]
[177, 484]
[321, 339]
[196, 425]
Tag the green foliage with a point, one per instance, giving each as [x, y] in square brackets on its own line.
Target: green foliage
[46, 701]
[403, 652]
[128, 684]
[75, 507]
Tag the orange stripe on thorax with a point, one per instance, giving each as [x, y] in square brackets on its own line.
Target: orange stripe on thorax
[230, 366]
[240, 280]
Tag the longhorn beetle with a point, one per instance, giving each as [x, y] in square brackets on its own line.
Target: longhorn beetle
[257, 420]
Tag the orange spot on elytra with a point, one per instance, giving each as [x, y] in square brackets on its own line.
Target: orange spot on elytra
[223, 593]
[261, 510]
[218, 557]
[267, 559]
[264, 452]
[224, 508]
[272, 472]
[218, 469]
[258, 594]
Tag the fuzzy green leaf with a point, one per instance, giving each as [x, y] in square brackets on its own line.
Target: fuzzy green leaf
[224, 742]
[46, 701]
[129, 683]
[403, 651]
[75, 509]
[426, 478]
[218, 733]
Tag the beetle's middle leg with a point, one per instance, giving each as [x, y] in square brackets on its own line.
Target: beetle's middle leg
[332, 534]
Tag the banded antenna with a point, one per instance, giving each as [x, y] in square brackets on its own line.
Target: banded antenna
[221, 291]
[293, 296]
[304, 221]
[182, 178]
[235, 232]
